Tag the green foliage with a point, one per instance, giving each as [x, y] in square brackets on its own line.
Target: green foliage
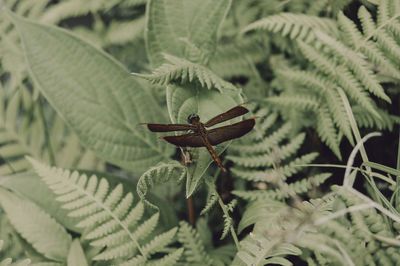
[8, 261]
[180, 69]
[108, 216]
[56, 243]
[110, 109]
[183, 29]
[286, 25]
[344, 59]
[194, 248]
[183, 101]
[311, 71]
[259, 157]
[157, 175]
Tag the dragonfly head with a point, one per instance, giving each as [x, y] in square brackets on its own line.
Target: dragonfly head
[193, 118]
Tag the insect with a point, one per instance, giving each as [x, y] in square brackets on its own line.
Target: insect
[202, 137]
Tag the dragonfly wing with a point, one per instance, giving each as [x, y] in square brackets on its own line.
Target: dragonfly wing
[221, 134]
[167, 127]
[187, 140]
[232, 113]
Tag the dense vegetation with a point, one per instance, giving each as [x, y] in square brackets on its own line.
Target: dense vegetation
[83, 183]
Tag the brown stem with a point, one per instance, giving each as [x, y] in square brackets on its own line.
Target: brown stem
[192, 215]
[185, 157]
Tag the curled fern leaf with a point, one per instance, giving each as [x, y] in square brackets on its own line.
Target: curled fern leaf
[159, 174]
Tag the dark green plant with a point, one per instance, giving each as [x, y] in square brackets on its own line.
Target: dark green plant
[313, 72]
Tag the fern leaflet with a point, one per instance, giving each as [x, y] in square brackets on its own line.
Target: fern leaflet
[156, 175]
[184, 70]
[107, 215]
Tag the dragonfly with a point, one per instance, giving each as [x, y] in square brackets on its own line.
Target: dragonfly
[200, 136]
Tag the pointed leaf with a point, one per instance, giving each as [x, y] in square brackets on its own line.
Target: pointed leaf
[198, 100]
[94, 94]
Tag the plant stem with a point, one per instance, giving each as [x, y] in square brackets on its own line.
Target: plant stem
[210, 185]
[192, 215]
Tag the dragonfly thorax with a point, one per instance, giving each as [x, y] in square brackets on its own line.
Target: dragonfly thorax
[193, 118]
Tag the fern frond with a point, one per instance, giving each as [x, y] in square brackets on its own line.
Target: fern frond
[170, 259]
[249, 195]
[107, 215]
[160, 242]
[356, 64]
[343, 76]
[327, 132]
[364, 119]
[231, 205]
[262, 251]
[156, 175]
[212, 200]
[304, 101]
[367, 47]
[254, 175]
[266, 143]
[184, 70]
[296, 188]
[237, 58]
[272, 174]
[293, 167]
[304, 78]
[122, 32]
[296, 26]
[268, 158]
[268, 120]
[194, 248]
[338, 111]
[228, 222]
[42, 231]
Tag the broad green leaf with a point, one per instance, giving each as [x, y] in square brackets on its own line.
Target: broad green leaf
[166, 24]
[36, 226]
[206, 103]
[182, 28]
[94, 94]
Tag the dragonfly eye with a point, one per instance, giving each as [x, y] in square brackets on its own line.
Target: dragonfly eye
[193, 118]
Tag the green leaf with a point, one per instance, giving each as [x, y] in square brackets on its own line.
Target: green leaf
[156, 175]
[180, 69]
[260, 210]
[186, 29]
[94, 94]
[76, 255]
[197, 100]
[36, 226]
